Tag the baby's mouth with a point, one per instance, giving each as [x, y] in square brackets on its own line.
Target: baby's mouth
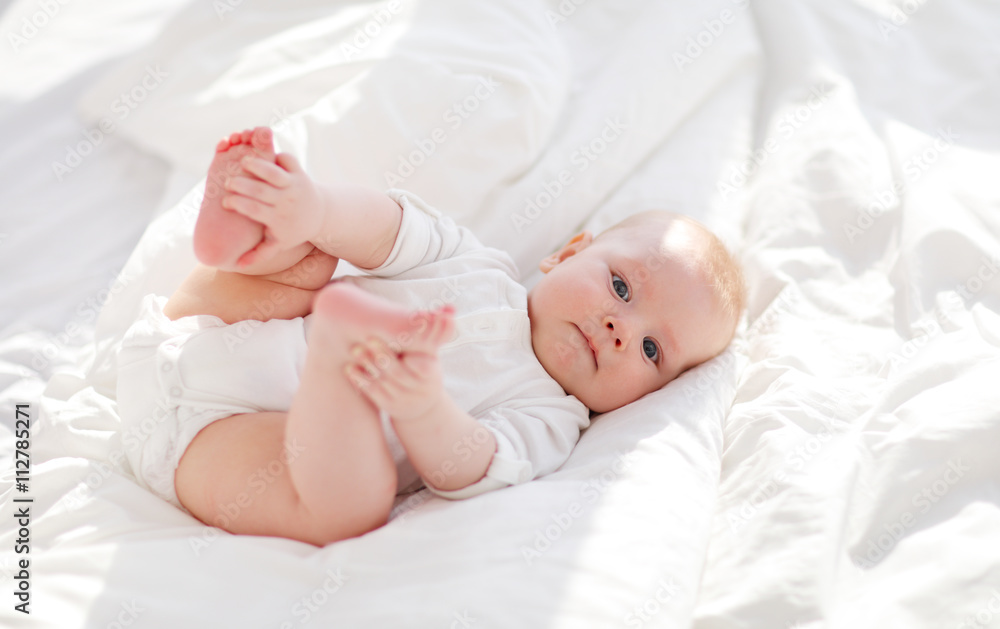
[590, 344]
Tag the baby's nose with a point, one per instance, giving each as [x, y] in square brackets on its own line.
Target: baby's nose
[618, 329]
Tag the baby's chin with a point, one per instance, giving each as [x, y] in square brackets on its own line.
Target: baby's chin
[565, 381]
[597, 403]
[615, 398]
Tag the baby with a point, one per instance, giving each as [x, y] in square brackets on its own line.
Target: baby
[276, 402]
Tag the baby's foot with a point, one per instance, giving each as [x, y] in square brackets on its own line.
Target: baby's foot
[355, 316]
[221, 236]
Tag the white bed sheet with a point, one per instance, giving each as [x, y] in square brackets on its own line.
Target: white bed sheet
[63, 240]
[869, 370]
[858, 487]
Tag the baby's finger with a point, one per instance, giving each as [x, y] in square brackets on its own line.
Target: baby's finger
[253, 189]
[288, 162]
[398, 378]
[384, 391]
[376, 389]
[381, 354]
[433, 328]
[358, 377]
[362, 358]
[430, 327]
[413, 373]
[416, 365]
[266, 248]
[266, 171]
[251, 208]
[375, 356]
[444, 325]
[384, 366]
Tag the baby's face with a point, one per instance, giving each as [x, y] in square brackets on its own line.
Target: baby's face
[618, 317]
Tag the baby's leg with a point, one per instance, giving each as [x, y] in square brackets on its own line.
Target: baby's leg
[322, 471]
[238, 297]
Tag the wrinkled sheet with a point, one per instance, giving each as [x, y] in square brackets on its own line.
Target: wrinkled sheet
[859, 476]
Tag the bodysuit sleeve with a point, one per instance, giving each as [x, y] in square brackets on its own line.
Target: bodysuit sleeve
[427, 236]
[531, 442]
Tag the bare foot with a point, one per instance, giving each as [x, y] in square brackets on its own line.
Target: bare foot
[354, 315]
[221, 236]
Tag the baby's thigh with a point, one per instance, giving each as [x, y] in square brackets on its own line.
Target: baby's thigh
[235, 475]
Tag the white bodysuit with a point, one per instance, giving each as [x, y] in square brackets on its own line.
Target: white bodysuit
[176, 377]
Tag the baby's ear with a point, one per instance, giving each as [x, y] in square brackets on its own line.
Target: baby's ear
[575, 245]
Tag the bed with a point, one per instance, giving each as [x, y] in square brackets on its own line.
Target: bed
[835, 467]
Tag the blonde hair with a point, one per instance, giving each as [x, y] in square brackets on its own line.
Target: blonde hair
[726, 277]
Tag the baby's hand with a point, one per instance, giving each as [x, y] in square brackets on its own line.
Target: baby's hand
[407, 386]
[282, 197]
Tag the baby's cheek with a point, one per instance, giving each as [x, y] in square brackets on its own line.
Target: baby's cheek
[639, 386]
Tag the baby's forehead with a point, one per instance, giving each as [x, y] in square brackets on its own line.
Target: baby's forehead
[659, 237]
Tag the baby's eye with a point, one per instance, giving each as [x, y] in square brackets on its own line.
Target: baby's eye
[621, 288]
[650, 349]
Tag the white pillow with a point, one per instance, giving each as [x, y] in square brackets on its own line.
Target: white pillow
[449, 96]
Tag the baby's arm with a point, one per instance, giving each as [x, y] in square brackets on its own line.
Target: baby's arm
[347, 221]
[448, 447]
